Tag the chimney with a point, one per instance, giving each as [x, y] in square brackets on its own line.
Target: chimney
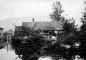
[33, 20]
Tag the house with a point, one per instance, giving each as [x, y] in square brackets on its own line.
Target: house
[49, 30]
[45, 27]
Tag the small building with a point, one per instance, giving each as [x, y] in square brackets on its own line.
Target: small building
[8, 35]
[1, 32]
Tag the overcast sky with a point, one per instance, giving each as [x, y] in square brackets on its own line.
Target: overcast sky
[39, 9]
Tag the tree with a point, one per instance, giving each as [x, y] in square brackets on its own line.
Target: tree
[82, 35]
[57, 13]
[68, 24]
[69, 30]
[28, 48]
[27, 42]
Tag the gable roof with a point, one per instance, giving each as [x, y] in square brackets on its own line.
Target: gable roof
[52, 25]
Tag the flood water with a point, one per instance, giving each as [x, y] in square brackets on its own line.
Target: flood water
[8, 55]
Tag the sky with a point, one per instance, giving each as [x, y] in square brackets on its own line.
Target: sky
[39, 9]
[23, 8]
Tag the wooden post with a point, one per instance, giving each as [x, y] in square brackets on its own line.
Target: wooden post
[7, 43]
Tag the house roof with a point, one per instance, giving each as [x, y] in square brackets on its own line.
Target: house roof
[52, 25]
